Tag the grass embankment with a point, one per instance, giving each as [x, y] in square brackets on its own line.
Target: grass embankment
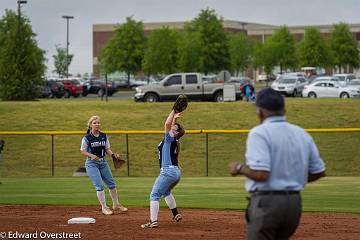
[31, 155]
[330, 194]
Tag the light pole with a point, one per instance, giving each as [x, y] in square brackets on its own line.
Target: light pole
[19, 2]
[67, 43]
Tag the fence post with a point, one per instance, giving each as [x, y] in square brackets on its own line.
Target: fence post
[207, 155]
[127, 154]
[52, 156]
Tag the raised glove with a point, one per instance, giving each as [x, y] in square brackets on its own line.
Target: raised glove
[180, 104]
[117, 160]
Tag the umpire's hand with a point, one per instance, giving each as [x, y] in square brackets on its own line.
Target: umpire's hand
[235, 168]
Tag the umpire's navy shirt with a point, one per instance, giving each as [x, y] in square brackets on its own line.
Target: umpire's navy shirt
[285, 150]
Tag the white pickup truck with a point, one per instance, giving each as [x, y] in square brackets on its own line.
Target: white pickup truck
[190, 84]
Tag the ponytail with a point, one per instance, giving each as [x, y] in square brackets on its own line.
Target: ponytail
[88, 130]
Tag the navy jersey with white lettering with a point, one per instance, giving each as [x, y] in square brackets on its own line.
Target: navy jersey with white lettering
[168, 151]
[97, 145]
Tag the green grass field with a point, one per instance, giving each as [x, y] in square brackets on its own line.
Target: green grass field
[30, 156]
[330, 194]
[25, 171]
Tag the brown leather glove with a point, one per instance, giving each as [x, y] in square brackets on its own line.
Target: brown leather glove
[181, 103]
[117, 160]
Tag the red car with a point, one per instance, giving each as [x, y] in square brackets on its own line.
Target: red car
[72, 87]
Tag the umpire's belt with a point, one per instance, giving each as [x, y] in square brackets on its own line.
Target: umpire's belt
[284, 192]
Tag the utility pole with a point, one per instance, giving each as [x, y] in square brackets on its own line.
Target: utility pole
[19, 2]
[67, 44]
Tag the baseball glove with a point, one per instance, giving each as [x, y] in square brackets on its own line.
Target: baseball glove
[117, 160]
[181, 103]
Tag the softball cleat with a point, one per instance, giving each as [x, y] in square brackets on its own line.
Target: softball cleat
[177, 217]
[120, 208]
[106, 211]
[150, 224]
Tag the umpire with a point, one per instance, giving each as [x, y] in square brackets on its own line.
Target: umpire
[280, 159]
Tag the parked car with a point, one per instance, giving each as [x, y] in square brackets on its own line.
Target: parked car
[123, 82]
[44, 91]
[354, 83]
[329, 78]
[344, 78]
[56, 87]
[290, 85]
[190, 84]
[72, 87]
[263, 77]
[331, 89]
[98, 86]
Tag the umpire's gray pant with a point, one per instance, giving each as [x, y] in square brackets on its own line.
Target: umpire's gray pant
[273, 215]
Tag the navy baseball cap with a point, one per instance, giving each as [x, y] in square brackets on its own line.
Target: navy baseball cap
[270, 99]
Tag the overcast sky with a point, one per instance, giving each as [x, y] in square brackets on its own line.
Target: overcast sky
[50, 27]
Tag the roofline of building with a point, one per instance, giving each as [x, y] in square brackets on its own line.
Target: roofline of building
[251, 27]
[354, 27]
[180, 25]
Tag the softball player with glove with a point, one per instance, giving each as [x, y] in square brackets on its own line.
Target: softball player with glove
[94, 146]
[169, 171]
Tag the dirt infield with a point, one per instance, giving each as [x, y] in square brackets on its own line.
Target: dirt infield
[196, 224]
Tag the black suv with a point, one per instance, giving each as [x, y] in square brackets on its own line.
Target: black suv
[97, 86]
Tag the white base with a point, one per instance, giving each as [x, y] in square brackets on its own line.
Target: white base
[81, 220]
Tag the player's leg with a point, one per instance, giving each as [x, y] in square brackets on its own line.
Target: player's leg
[155, 196]
[107, 177]
[164, 182]
[95, 176]
[170, 199]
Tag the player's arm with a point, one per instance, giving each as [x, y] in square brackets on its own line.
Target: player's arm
[87, 154]
[107, 148]
[171, 120]
[109, 152]
[84, 152]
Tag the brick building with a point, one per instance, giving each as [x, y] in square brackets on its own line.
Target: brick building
[102, 33]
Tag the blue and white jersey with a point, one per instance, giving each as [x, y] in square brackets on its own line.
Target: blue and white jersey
[95, 145]
[168, 150]
[286, 151]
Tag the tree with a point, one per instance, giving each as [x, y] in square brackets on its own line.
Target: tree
[241, 49]
[284, 46]
[264, 55]
[125, 50]
[345, 47]
[189, 53]
[60, 62]
[161, 53]
[214, 42]
[314, 51]
[21, 60]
